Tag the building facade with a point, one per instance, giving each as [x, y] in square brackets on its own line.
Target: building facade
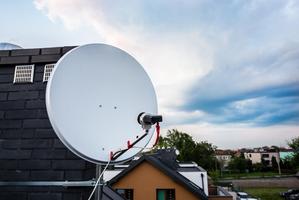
[30, 151]
[257, 157]
[224, 157]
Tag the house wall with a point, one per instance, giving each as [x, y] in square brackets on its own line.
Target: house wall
[286, 154]
[253, 156]
[270, 155]
[146, 179]
[224, 159]
[29, 148]
[256, 157]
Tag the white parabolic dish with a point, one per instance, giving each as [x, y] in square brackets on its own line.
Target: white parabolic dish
[93, 98]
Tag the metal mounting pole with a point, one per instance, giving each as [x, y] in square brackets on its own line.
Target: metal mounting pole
[98, 192]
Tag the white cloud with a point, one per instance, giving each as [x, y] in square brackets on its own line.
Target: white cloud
[173, 116]
[174, 60]
[291, 9]
[229, 40]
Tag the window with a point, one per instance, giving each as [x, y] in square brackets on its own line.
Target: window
[265, 156]
[126, 193]
[47, 71]
[24, 74]
[165, 194]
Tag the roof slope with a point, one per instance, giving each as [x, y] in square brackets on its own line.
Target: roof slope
[33, 56]
[172, 173]
[109, 194]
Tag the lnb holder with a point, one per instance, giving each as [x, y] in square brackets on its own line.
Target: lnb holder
[146, 120]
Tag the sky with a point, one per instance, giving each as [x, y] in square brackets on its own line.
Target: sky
[226, 72]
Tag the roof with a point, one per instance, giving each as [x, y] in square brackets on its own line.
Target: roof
[109, 194]
[224, 152]
[170, 172]
[189, 169]
[30, 56]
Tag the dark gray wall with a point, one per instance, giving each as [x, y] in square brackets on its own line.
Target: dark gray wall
[29, 148]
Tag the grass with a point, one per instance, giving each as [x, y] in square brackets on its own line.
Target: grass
[265, 193]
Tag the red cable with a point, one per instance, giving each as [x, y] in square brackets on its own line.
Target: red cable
[129, 145]
[158, 134]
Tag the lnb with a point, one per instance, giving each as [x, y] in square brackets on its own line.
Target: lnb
[146, 120]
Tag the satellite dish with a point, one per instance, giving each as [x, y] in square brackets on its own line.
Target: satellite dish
[8, 46]
[94, 96]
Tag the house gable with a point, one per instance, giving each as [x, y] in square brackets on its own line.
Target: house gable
[146, 178]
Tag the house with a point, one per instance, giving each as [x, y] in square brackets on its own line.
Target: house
[224, 157]
[159, 176]
[267, 157]
[256, 155]
[286, 153]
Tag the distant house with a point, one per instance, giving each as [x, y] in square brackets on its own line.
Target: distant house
[255, 157]
[224, 157]
[159, 176]
[267, 157]
[258, 154]
[286, 153]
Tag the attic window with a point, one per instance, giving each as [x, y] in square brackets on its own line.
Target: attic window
[24, 74]
[47, 71]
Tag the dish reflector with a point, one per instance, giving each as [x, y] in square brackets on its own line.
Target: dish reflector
[93, 98]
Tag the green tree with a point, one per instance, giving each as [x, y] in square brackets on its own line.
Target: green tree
[257, 167]
[249, 165]
[238, 164]
[203, 153]
[264, 165]
[180, 141]
[294, 160]
[274, 163]
[294, 143]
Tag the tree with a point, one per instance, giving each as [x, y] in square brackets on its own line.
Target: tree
[257, 167]
[274, 163]
[180, 141]
[239, 164]
[249, 165]
[264, 165]
[294, 143]
[203, 153]
[294, 161]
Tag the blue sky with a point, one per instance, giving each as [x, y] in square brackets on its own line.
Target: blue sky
[224, 71]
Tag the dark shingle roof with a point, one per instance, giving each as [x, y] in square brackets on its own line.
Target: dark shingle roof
[173, 174]
[109, 194]
[32, 56]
